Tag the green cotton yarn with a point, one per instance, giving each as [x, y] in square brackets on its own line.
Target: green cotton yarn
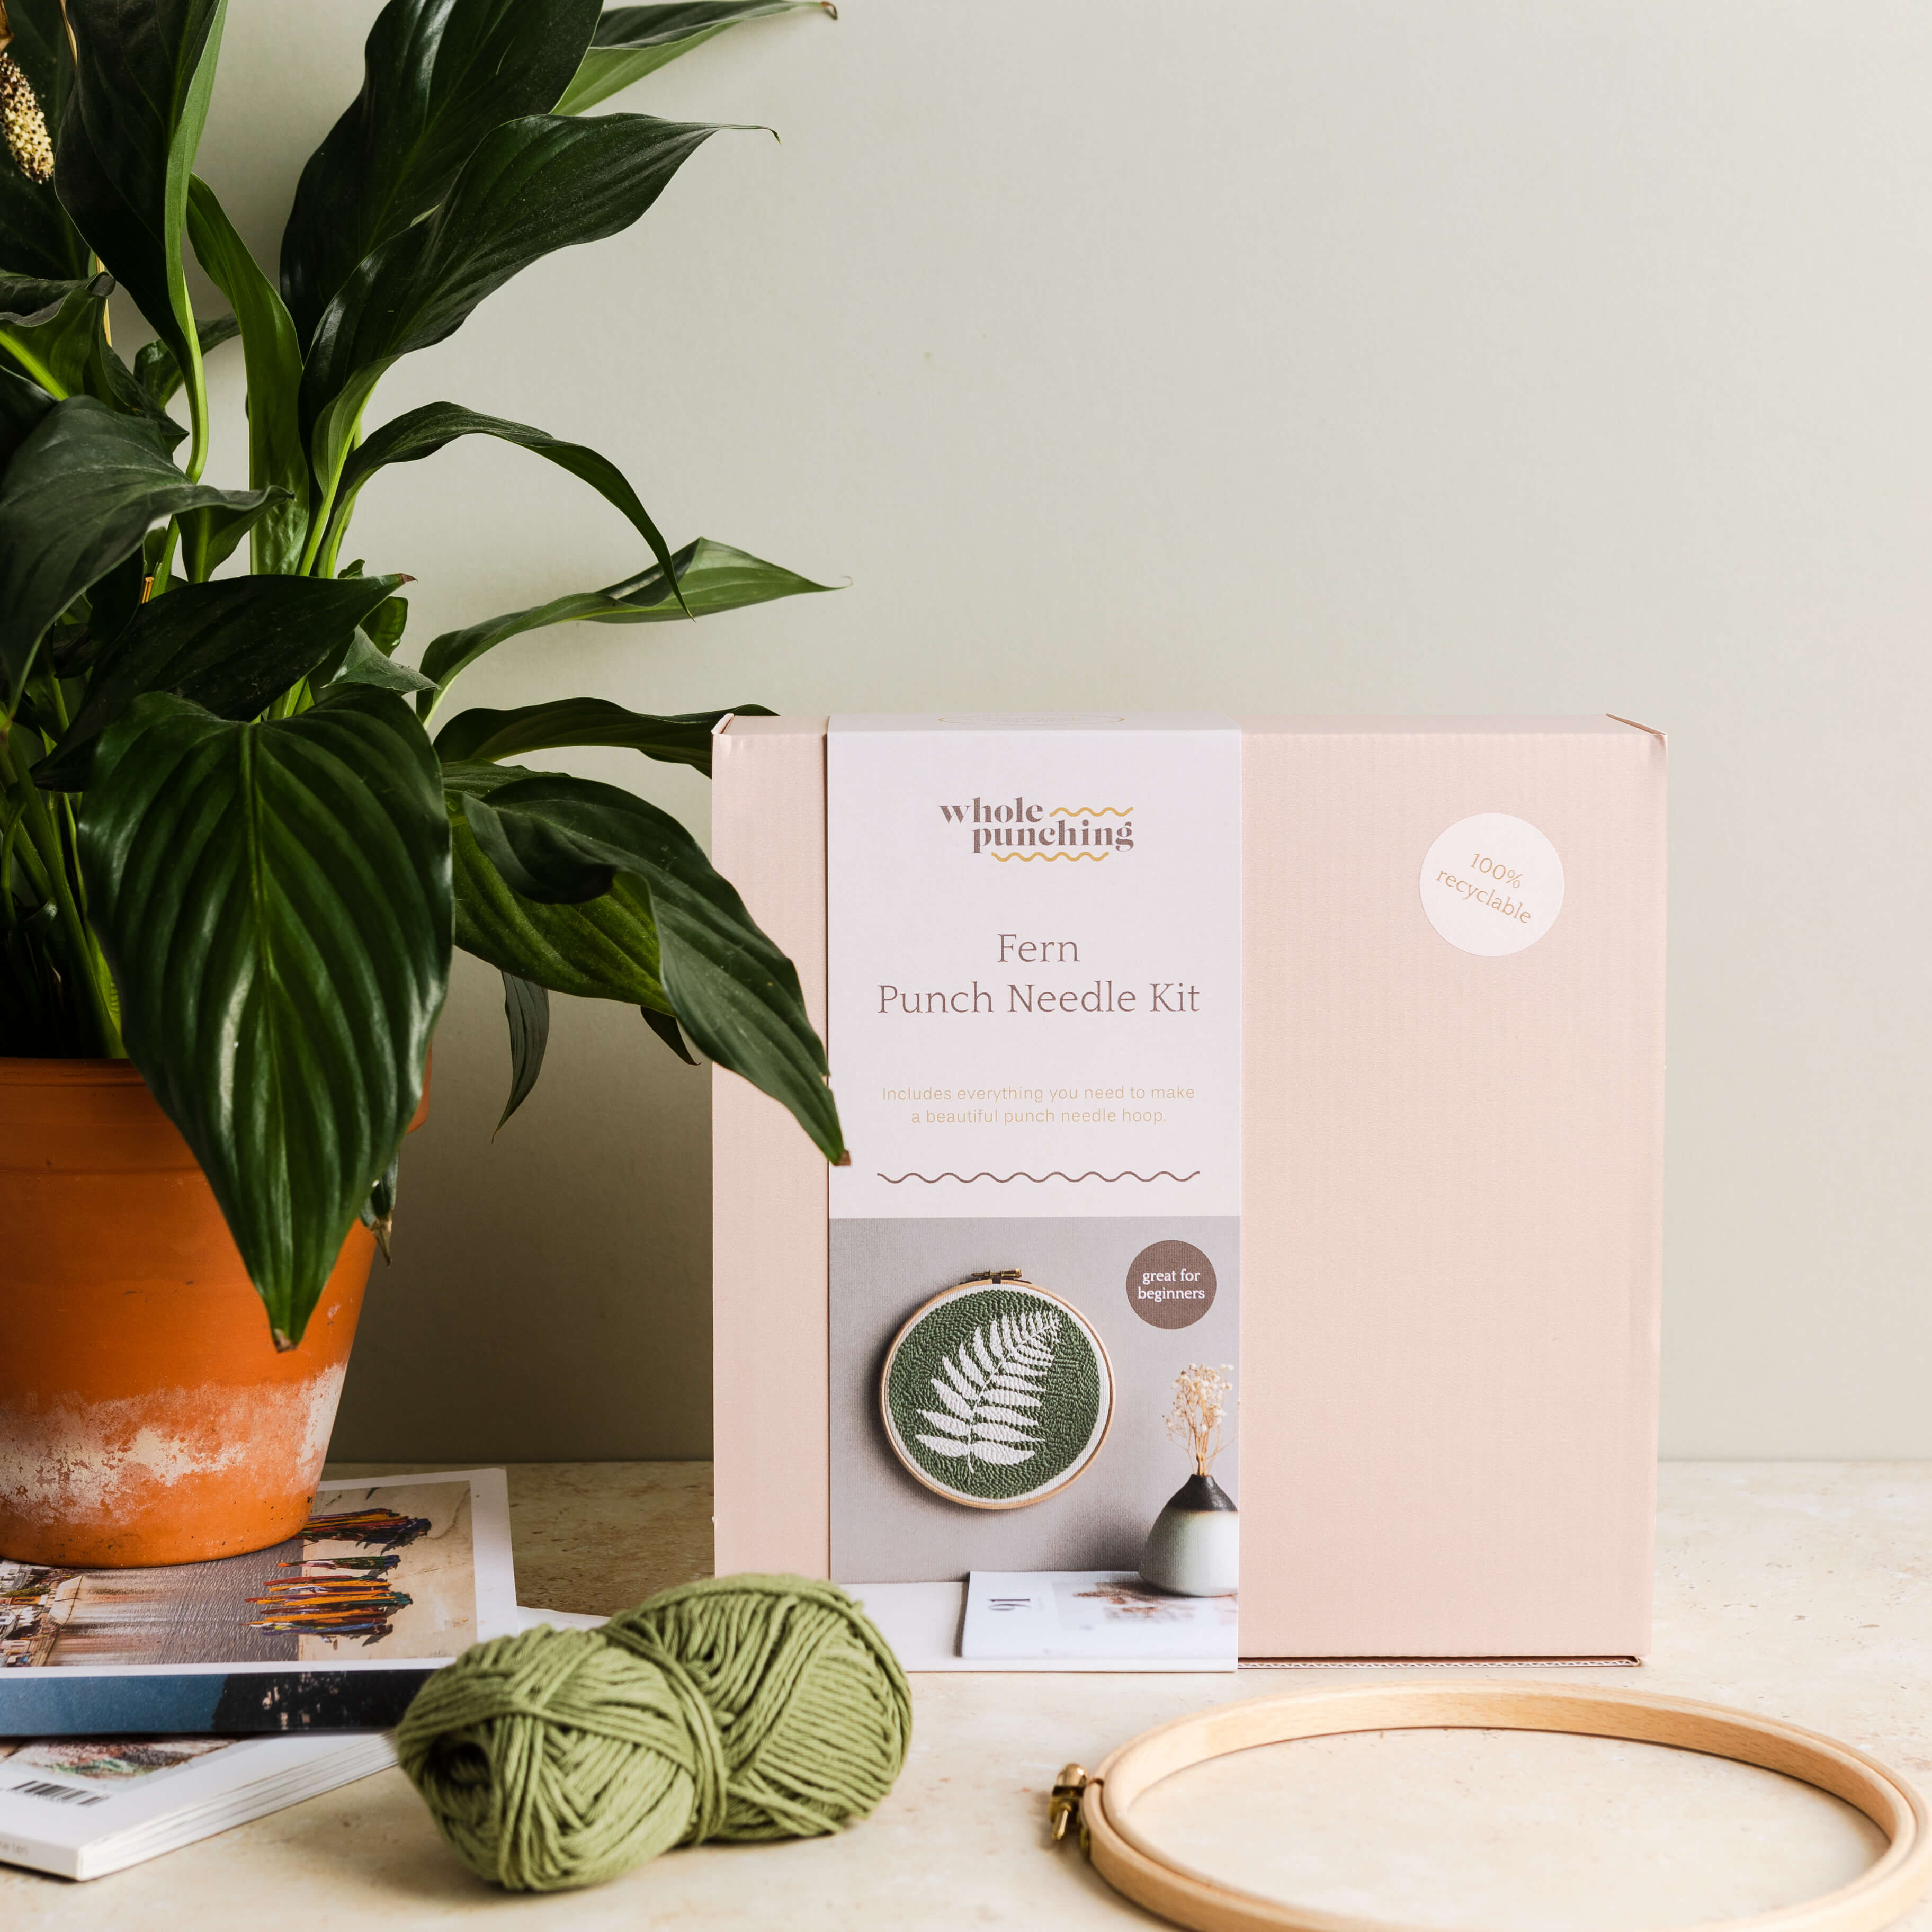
[740, 1708]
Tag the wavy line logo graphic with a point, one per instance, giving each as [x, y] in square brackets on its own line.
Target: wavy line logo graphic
[1004, 1180]
[1027, 858]
[1092, 810]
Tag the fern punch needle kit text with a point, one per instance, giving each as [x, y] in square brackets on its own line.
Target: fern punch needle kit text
[1295, 1081]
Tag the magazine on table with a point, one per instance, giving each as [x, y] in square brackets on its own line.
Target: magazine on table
[336, 1628]
[82, 1807]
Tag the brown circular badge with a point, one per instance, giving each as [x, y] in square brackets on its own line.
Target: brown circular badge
[1170, 1284]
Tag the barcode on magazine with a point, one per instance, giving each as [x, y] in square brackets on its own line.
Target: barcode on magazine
[61, 1794]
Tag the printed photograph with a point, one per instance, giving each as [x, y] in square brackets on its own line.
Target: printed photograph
[384, 1572]
[108, 1761]
[1044, 1417]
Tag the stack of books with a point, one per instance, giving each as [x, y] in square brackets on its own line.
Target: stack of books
[142, 1709]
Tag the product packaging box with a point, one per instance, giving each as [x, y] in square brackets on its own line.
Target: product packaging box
[1322, 1057]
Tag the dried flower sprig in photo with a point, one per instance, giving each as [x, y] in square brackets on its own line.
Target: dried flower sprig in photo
[1197, 1420]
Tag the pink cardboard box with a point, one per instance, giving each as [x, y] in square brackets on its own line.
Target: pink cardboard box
[1451, 1200]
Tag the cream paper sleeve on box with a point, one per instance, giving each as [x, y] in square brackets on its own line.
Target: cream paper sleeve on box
[1451, 1192]
[1034, 1005]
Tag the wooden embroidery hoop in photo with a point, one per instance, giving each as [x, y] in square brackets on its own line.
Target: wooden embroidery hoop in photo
[995, 1278]
[1151, 1877]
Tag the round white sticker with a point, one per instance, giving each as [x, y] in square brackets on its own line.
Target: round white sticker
[1493, 884]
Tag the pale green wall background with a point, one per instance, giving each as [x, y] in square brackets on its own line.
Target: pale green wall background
[1489, 358]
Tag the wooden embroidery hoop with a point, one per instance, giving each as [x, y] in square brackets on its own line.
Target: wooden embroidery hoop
[1133, 1866]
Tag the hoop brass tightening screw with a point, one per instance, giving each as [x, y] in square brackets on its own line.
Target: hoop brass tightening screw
[993, 1275]
[1065, 1802]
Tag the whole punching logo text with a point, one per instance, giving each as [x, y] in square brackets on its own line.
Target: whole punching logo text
[1032, 833]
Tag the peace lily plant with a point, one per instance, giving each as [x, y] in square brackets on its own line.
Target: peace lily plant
[239, 834]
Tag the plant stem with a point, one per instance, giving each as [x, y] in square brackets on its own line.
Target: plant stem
[318, 528]
[30, 863]
[197, 407]
[158, 580]
[325, 564]
[45, 838]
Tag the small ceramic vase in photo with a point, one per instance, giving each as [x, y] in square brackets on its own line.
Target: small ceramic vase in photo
[1194, 1546]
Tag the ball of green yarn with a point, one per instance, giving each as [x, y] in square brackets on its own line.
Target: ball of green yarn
[740, 1708]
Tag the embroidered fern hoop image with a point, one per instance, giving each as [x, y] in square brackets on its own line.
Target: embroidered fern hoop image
[996, 1394]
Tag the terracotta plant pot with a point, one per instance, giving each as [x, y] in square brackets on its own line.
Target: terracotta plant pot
[145, 1417]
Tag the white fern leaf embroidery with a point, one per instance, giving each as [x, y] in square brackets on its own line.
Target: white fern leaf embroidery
[986, 1386]
[960, 1405]
[970, 1390]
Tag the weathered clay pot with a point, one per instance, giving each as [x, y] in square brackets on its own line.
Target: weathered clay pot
[145, 1416]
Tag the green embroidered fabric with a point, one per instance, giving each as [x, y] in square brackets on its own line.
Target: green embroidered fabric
[996, 1394]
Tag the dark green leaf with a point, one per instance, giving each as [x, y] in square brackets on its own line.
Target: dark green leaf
[209, 535]
[668, 1030]
[230, 647]
[36, 237]
[526, 1007]
[633, 41]
[278, 994]
[77, 498]
[605, 948]
[422, 432]
[537, 860]
[57, 333]
[378, 634]
[712, 577]
[532, 186]
[70, 648]
[386, 623]
[276, 454]
[438, 76]
[110, 380]
[112, 601]
[49, 327]
[23, 407]
[158, 372]
[126, 150]
[735, 993]
[364, 663]
[452, 653]
[684, 739]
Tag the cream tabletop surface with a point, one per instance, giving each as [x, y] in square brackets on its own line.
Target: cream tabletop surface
[1800, 1590]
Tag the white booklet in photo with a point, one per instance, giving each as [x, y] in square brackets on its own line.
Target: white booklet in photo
[82, 1807]
[335, 1628]
[1096, 1617]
